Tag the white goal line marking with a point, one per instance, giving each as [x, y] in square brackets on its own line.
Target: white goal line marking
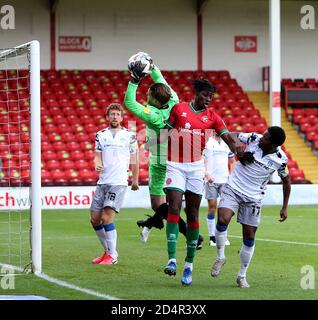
[64, 283]
[280, 241]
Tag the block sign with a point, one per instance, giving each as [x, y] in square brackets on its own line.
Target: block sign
[245, 43]
[75, 44]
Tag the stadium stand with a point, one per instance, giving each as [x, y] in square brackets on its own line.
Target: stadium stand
[303, 115]
[73, 106]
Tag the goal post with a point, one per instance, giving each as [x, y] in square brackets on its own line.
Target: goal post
[20, 155]
[35, 108]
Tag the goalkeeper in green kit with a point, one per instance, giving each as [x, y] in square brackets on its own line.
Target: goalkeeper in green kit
[160, 99]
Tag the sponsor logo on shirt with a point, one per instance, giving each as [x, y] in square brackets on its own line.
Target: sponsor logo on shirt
[146, 110]
[197, 132]
[184, 114]
[187, 125]
[261, 164]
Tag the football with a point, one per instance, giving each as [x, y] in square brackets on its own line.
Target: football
[141, 63]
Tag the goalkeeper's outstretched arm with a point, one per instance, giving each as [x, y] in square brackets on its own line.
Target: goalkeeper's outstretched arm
[139, 110]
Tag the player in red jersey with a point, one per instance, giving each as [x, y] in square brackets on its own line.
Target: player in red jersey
[189, 127]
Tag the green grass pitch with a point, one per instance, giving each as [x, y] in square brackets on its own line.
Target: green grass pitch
[69, 245]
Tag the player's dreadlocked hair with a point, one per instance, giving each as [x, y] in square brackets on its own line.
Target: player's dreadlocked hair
[161, 92]
[278, 135]
[203, 85]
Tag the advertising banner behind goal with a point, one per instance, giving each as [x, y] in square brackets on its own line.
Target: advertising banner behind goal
[81, 197]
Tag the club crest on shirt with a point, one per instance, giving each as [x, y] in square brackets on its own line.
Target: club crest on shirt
[184, 114]
[205, 119]
[187, 125]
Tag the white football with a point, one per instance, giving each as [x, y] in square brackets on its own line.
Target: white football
[144, 59]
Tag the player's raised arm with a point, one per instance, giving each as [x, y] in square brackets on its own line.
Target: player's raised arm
[139, 110]
[139, 70]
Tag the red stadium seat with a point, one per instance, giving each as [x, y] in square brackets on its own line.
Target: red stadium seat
[260, 128]
[63, 154]
[298, 180]
[52, 165]
[49, 155]
[85, 119]
[67, 164]
[293, 172]
[58, 177]
[67, 137]
[45, 146]
[81, 136]
[45, 174]
[86, 145]
[81, 164]
[72, 117]
[76, 128]
[312, 136]
[76, 155]
[71, 174]
[59, 146]
[50, 128]
[72, 146]
[292, 164]
[53, 137]
[88, 176]
[91, 128]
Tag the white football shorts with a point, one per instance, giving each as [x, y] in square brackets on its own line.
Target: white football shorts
[188, 176]
[248, 209]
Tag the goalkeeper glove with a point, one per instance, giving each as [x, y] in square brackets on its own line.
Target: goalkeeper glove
[136, 72]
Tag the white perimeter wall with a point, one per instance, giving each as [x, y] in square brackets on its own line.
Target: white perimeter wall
[225, 19]
[299, 47]
[167, 30]
[32, 22]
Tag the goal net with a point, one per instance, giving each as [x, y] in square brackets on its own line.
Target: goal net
[20, 157]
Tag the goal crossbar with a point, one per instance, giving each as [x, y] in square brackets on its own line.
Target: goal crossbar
[17, 51]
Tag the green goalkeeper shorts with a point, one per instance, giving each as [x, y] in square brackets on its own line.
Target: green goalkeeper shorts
[157, 175]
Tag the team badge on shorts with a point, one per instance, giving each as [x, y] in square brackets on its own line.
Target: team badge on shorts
[168, 181]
